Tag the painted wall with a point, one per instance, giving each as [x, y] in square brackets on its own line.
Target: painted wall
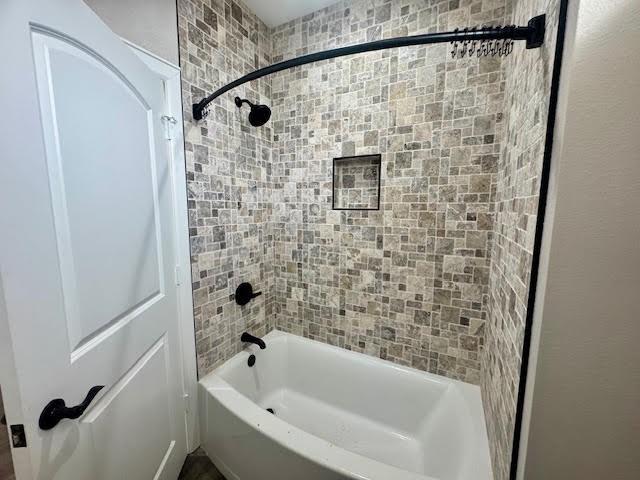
[527, 88]
[151, 24]
[407, 283]
[277, 12]
[585, 387]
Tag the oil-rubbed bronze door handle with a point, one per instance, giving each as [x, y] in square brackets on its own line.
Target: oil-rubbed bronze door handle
[57, 409]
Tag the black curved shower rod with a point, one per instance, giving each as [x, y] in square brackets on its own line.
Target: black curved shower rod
[533, 34]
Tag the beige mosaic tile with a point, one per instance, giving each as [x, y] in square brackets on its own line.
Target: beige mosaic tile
[528, 83]
[228, 175]
[356, 183]
[408, 283]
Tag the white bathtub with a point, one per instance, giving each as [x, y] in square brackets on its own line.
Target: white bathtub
[338, 415]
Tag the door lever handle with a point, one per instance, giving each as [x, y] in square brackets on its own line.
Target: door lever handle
[57, 409]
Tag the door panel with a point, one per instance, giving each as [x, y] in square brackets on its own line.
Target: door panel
[87, 254]
[126, 408]
[103, 188]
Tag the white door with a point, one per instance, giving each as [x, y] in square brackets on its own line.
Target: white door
[87, 254]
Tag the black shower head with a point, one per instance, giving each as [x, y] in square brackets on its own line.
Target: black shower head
[259, 114]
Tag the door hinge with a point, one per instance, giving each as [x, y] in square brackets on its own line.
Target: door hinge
[18, 437]
[187, 402]
[169, 122]
[178, 276]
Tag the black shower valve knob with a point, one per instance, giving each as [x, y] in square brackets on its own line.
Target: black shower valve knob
[244, 293]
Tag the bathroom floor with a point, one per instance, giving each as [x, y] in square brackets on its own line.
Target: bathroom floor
[6, 466]
[197, 466]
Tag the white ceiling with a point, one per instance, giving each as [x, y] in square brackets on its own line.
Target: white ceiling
[277, 12]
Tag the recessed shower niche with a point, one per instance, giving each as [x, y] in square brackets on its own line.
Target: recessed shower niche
[356, 183]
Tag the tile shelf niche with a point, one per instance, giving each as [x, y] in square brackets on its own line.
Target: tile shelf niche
[356, 183]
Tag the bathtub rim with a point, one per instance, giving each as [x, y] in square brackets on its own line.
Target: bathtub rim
[325, 453]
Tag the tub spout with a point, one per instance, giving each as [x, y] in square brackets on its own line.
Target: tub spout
[248, 338]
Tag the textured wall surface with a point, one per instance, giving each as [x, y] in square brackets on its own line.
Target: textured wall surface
[528, 82]
[228, 170]
[408, 283]
[356, 182]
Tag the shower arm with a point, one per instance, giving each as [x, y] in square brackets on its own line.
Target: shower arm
[533, 34]
[239, 101]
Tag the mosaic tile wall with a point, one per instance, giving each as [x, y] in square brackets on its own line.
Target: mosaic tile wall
[408, 283]
[228, 170]
[355, 182]
[528, 83]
